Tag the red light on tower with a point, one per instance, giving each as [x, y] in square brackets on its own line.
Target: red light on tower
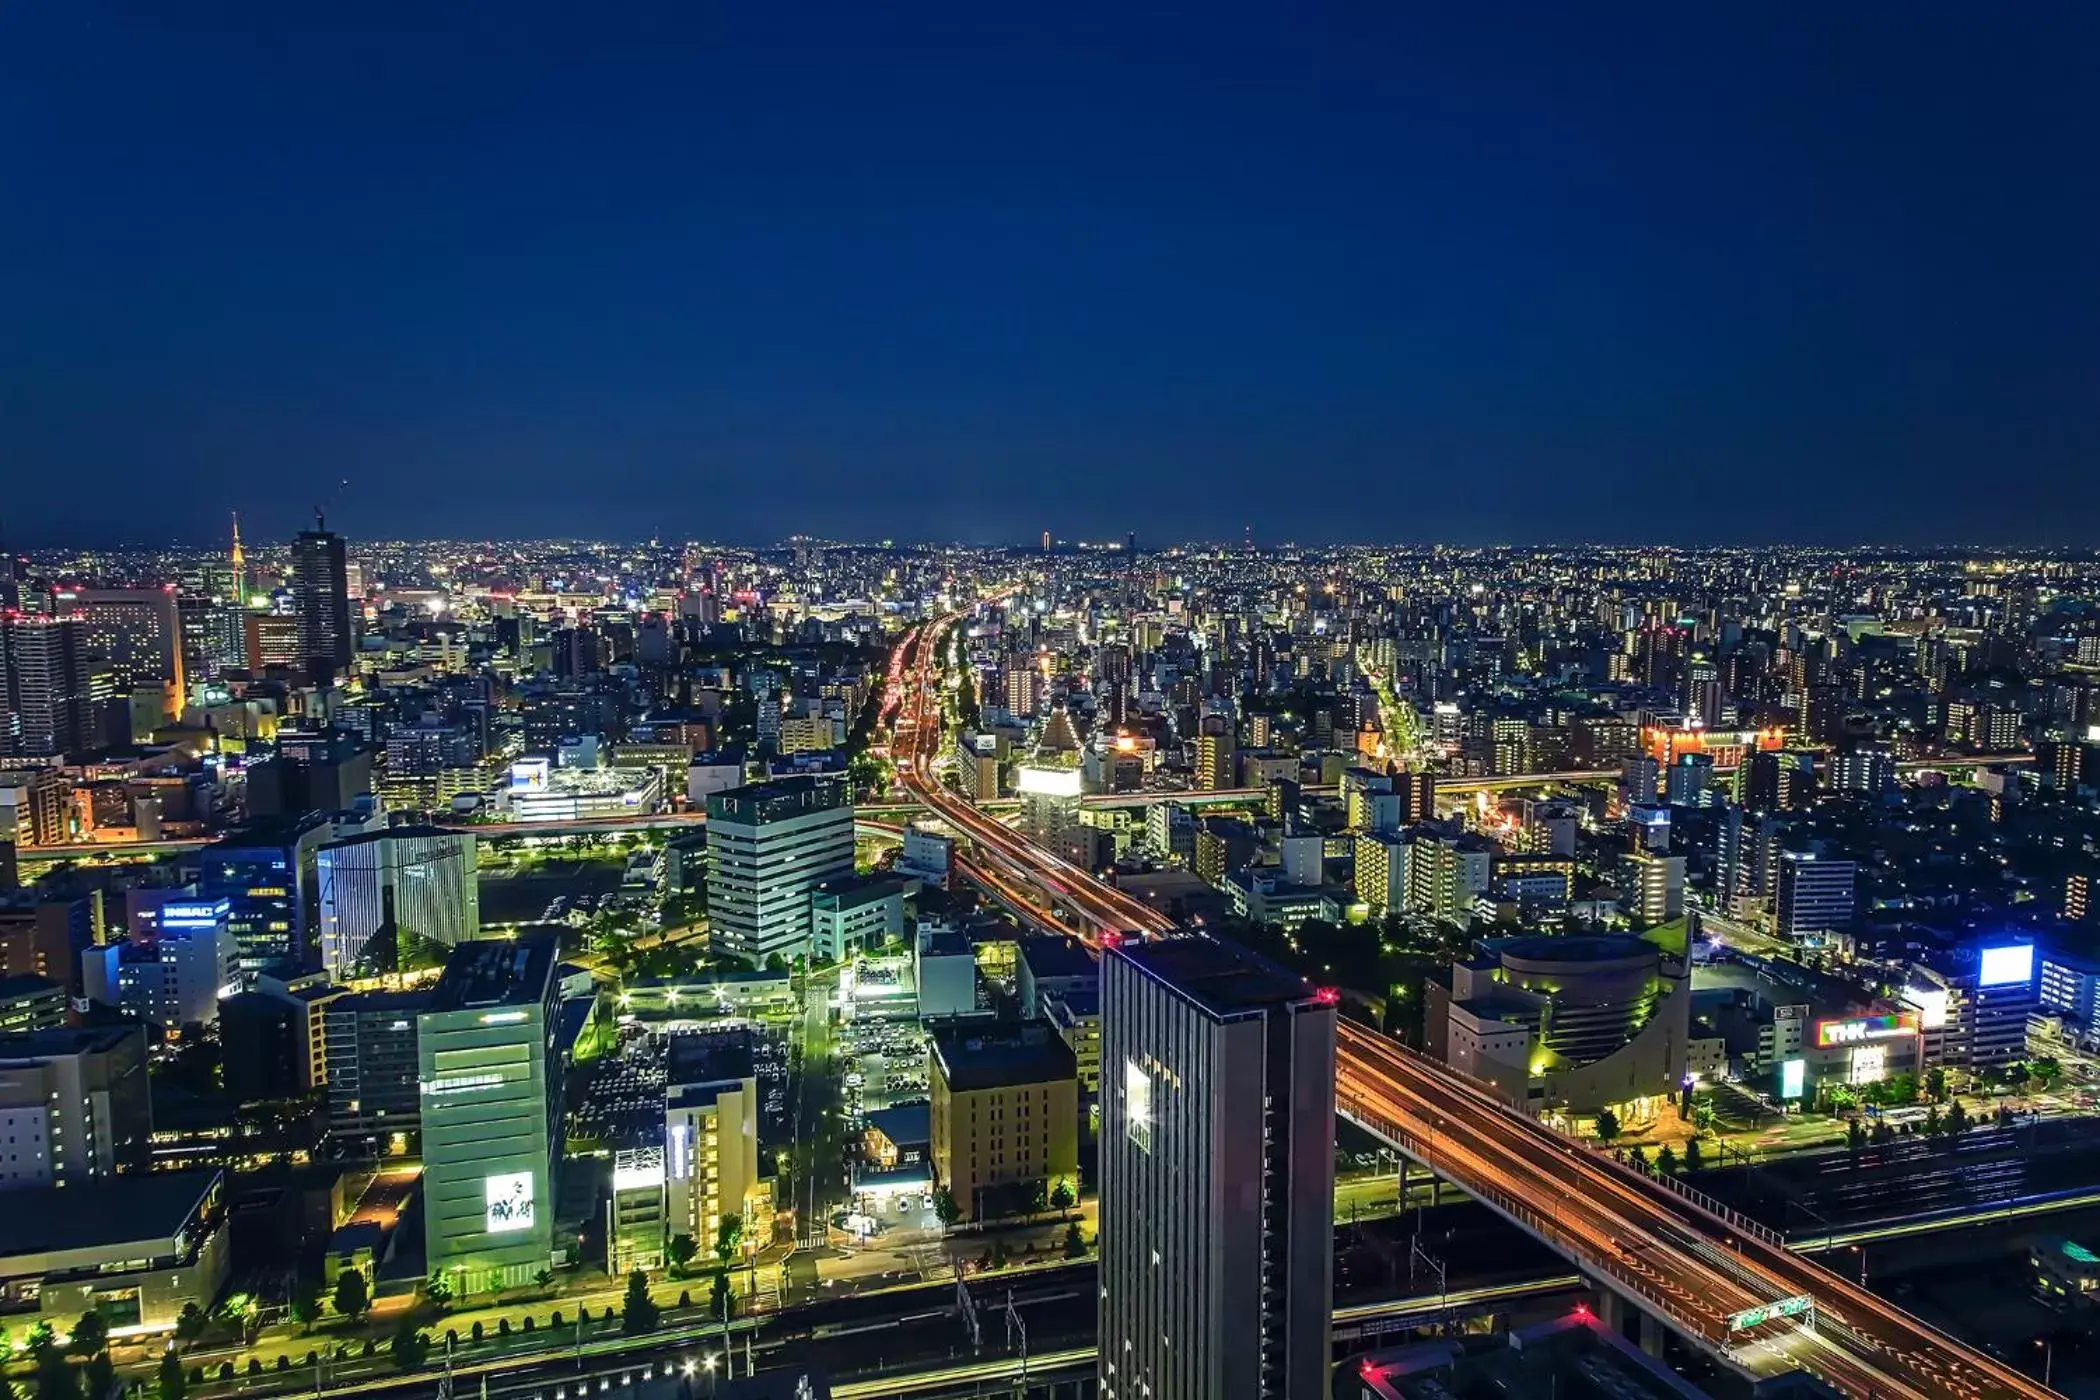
[1326, 996]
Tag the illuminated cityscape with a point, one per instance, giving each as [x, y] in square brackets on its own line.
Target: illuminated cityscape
[1126, 703]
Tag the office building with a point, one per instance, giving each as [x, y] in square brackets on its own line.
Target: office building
[47, 702]
[136, 1251]
[271, 640]
[48, 934]
[711, 1161]
[371, 1059]
[852, 913]
[1973, 1007]
[1217, 1176]
[177, 976]
[312, 770]
[2070, 985]
[491, 1087]
[769, 846]
[1815, 896]
[74, 1106]
[275, 1036]
[267, 874]
[1004, 1116]
[321, 602]
[137, 630]
[415, 880]
[31, 1003]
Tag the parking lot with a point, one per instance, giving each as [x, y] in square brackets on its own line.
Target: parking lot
[546, 893]
[618, 1099]
[881, 1063]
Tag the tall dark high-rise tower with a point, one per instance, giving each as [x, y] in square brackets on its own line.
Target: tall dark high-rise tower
[1217, 1175]
[46, 709]
[321, 600]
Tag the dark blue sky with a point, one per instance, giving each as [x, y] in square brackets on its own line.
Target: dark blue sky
[1353, 271]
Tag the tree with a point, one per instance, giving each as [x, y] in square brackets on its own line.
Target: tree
[544, 1278]
[1936, 1083]
[944, 1208]
[1957, 1119]
[1934, 1124]
[90, 1334]
[721, 1301]
[1882, 1134]
[1062, 1196]
[55, 1377]
[682, 1251]
[171, 1378]
[1075, 1246]
[189, 1324]
[1000, 1255]
[411, 1347]
[638, 1312]
[1855, 1137]
[1665, 1160]
[1903, 1088]
[438, 1289]
[1607, 1125]
[1691, 1155]
[476, 1331]
[1637, 1158]
[351, 1296]
[728, 1237]
[306, 1301]
[1038, 1196]
[101, 1376]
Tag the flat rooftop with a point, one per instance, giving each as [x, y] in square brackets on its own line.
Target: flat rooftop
[82, 1040]
[92, 1214]
[495, 972]
[1223, 978]
[973, 1058]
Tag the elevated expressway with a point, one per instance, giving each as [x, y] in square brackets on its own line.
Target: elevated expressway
[1718, 1280]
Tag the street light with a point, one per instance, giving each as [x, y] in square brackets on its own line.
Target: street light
[2048, 1358]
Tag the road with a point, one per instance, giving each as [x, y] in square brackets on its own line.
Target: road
[1697, 1267]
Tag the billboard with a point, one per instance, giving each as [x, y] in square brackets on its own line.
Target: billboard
[507, 1202]
[1051, 782]
[1856, 1030]
[529, 775]
[195, 913]
[2006, 966]
[1793, 1079]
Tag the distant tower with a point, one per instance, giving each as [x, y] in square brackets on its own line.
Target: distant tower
[1046, 541]
[1250, 538]
[240, 564]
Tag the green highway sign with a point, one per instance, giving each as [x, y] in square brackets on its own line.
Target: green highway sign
[1785, 1307]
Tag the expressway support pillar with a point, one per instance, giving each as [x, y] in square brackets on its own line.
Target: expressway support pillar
[1611, 1311]
[1651, 1336]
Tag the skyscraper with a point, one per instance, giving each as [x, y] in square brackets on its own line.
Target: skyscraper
[138, 630]
[321, 600]
[46, 709]
[1217, 1175]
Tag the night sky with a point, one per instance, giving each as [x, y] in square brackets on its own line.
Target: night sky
[1463, 272]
